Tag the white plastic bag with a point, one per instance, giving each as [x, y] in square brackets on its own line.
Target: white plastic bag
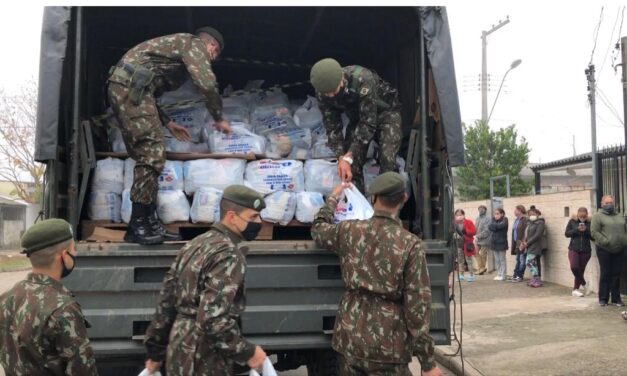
[213, 173]
[267, 118]
[109, 176]
[320, 147]
[300, 154]
[145, 372]
[307, 206]
[239, 141]
[267, 176]
[104, 206]
[127, 206]
[172, 206]
[193, 116]
[171, 178]
[321, 176]
[353, 206]
[284, 139]
[266, 370]
[308, 115]
[280, 207]
[129, 172]
[206, 205]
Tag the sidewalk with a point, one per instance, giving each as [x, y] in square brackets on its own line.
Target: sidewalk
[511, 329]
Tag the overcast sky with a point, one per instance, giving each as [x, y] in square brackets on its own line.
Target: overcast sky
[545, 96]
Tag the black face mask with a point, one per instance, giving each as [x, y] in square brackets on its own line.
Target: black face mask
[609, 208]
[67, 271]
[481, 212]
[251, 231]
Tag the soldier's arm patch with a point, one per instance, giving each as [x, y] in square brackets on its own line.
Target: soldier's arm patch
[364, 91]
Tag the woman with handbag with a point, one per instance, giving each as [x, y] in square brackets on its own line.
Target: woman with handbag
[465, 231]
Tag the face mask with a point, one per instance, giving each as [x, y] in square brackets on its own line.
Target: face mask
[532, 218]
[67, 271]
[608, 208]
[459, 218]
[251, 231]
[481, 212]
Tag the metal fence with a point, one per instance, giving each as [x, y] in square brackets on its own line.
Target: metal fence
[612, 176]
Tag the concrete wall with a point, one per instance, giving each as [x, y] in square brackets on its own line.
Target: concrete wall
[557, 209]
[11, 234]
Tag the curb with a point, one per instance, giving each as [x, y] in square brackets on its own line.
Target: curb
[454, 363]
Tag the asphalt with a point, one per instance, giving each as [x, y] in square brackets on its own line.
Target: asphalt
[510, 329]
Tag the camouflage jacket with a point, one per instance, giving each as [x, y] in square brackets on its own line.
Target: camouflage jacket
[43, 331]
[200, 303]
[172, 58]
[384, 314]
[363, 98]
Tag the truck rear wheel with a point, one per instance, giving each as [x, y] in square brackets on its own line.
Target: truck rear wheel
[324, 363]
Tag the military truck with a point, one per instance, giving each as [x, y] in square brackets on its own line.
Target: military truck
[292, 285]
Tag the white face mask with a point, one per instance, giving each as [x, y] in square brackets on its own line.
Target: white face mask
[533, 217]
[459, 218]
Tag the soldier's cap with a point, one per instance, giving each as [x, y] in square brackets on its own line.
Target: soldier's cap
[388, 183]
[326, 75]
[45, 234]
[214, 33]
[244, 196]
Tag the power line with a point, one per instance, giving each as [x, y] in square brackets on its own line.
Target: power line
[610, 45]
[596, 35]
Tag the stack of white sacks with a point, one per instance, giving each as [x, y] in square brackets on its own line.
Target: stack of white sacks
[295, 177]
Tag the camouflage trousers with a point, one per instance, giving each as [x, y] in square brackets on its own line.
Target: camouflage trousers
[388, 136]
[142, 132]
[359, 367]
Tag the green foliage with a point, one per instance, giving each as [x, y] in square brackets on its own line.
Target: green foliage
[492, 153]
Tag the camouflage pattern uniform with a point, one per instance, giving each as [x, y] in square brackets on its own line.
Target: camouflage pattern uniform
[172, 59]
[43, 331]
[195, 328]
[383, 317]
[372, 107]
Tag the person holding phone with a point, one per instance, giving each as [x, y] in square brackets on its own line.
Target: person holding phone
[579, 249]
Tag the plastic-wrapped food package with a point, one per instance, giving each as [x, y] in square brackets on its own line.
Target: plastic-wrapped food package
[206, 206]
[171, 178]
[280, 207]
[284, 140]
[307, 206]
[273, 97]
[353, 206]
[104, 206]
[239, 141]
[129, 172]
[236, 114]
[320, 147]
[268, 118]
[194, 116]
[109, 176]
[321, 176]
[308, 115]
[172, 206]
[372, 169]
[127, 206]
[267, 176]
[175, 146]
[300, 154]
[213, 173]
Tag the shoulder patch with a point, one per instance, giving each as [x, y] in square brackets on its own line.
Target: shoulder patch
[364, 91]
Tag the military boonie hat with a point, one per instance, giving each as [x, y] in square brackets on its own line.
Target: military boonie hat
[214, 33]
[388, 183]
[326, 75]
[45, 234]
[244, 196]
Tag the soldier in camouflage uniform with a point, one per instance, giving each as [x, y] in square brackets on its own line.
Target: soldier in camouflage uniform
[147, 70]
[373, 109]
[42, 328]
[195, 328]
[383, 317]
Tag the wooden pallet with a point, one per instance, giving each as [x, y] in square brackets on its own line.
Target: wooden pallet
[106, 231]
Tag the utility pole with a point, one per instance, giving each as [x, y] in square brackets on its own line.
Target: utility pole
[623, 50]
[574, 150]
[593, 125]
[484, 67]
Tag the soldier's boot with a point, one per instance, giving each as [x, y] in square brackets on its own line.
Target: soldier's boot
[158, 228]
[140, 229]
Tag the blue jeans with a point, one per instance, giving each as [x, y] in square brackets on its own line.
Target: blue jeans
[521, 264]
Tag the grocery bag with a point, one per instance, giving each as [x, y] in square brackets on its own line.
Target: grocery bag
[266, 370]
[353, 206]
[308, 204]
[308, 115]
[172, 206]
[267, 176]
[280, 207]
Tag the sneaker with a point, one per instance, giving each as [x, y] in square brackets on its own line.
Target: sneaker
[516, 279]
[577, 293]
[619, 304]
[471, 278]
[602, 304]
[624, 314]
[461, 277]
[584, 290]
[498, 278]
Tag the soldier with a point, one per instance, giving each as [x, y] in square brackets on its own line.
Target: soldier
[373, 109]
[195, 328]
[383, 317]
[42, 328]
[147, 70]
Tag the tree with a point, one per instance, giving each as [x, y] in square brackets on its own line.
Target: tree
[18, 114]
[492, 153]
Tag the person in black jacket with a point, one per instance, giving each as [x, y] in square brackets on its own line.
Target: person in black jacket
[498, 242]
[580, 249]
